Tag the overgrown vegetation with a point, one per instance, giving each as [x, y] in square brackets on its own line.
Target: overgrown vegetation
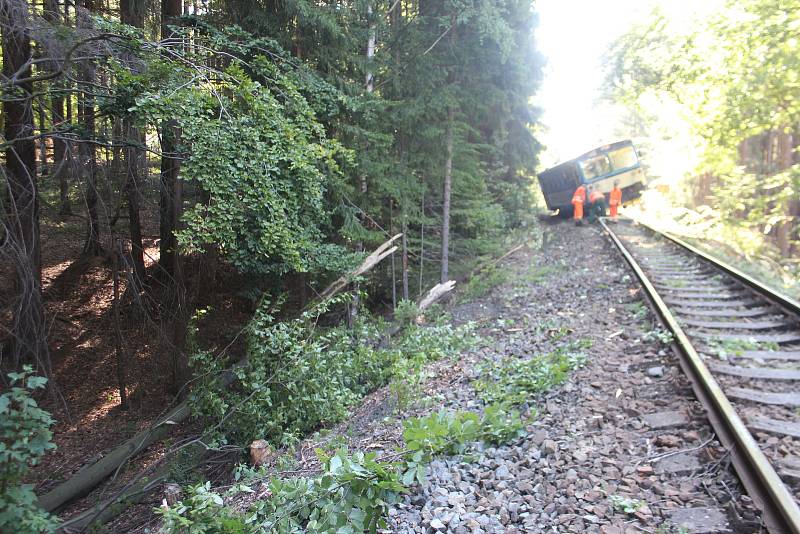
[725, 348]
[483, 281]
[299, 377]
[626, 505]
[717, 103]
[514, 380]
[24, 438]
[352, 492]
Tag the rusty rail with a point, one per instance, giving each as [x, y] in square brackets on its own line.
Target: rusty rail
[779, 510]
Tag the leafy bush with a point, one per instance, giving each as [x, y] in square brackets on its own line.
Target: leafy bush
[501, 424]
[515, 380]
[448, 432]
[352, 494]
[24, 438]
[406, 311]
[204, 511]
[298, 379]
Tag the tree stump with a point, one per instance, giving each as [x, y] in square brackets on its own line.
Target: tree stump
[260, 452]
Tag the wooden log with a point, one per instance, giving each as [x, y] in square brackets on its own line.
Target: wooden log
[87, 478]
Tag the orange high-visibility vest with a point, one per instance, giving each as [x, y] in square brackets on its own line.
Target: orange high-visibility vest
[595, 196]
[615, 198]
[579, 196]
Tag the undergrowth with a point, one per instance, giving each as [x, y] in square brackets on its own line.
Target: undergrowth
[352, 492]
[299, 378]
[735, 347]
[515, 380]
[25, 437]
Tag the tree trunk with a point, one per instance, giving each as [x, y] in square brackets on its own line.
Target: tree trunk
[87, 149]
[784, 161]
[21, 216]
[405, 257]
[52, 14]
[42, 139]
[120, 347]
[132, 13]
[421, 241]
[170, 164]
[446, 189]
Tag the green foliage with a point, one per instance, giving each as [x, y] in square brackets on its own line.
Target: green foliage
[516, 380]
[352, 493]
[638, 310]
[625, 504]
[298, 378]
[502, 424]
[204, 511]
[727, 85]
[406, 312]
[25, 437]
[659, 335]
[418, 347]
[735, 347]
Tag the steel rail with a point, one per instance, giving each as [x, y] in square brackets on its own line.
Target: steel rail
[780, 513]
[786, 302]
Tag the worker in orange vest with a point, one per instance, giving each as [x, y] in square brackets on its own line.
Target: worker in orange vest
[615, 200]
[578, 198]
[597, 203]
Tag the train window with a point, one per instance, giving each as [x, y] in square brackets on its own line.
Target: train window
[623, 158]
[596, 166]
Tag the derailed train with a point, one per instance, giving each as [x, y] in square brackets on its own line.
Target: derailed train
[601, 167]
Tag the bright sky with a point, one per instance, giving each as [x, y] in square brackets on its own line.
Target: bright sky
[573, 35]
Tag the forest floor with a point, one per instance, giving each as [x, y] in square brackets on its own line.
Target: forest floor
[78, 297]
[621, 447]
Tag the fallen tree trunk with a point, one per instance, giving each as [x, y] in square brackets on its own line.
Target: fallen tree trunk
[108, 509]
[89, 477]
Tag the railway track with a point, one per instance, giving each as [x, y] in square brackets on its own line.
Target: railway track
[739, 343]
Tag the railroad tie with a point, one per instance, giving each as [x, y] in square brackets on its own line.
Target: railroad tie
[765, 397]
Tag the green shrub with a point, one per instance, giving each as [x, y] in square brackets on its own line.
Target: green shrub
[352, 494]
[406, 311]
[298, 378]
[24, 438]
[501, 424]
[419, 346]
[451, 432]
[204, 511]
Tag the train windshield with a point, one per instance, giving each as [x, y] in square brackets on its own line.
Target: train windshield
[608, 162]
[623, 158]
[595, 166]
